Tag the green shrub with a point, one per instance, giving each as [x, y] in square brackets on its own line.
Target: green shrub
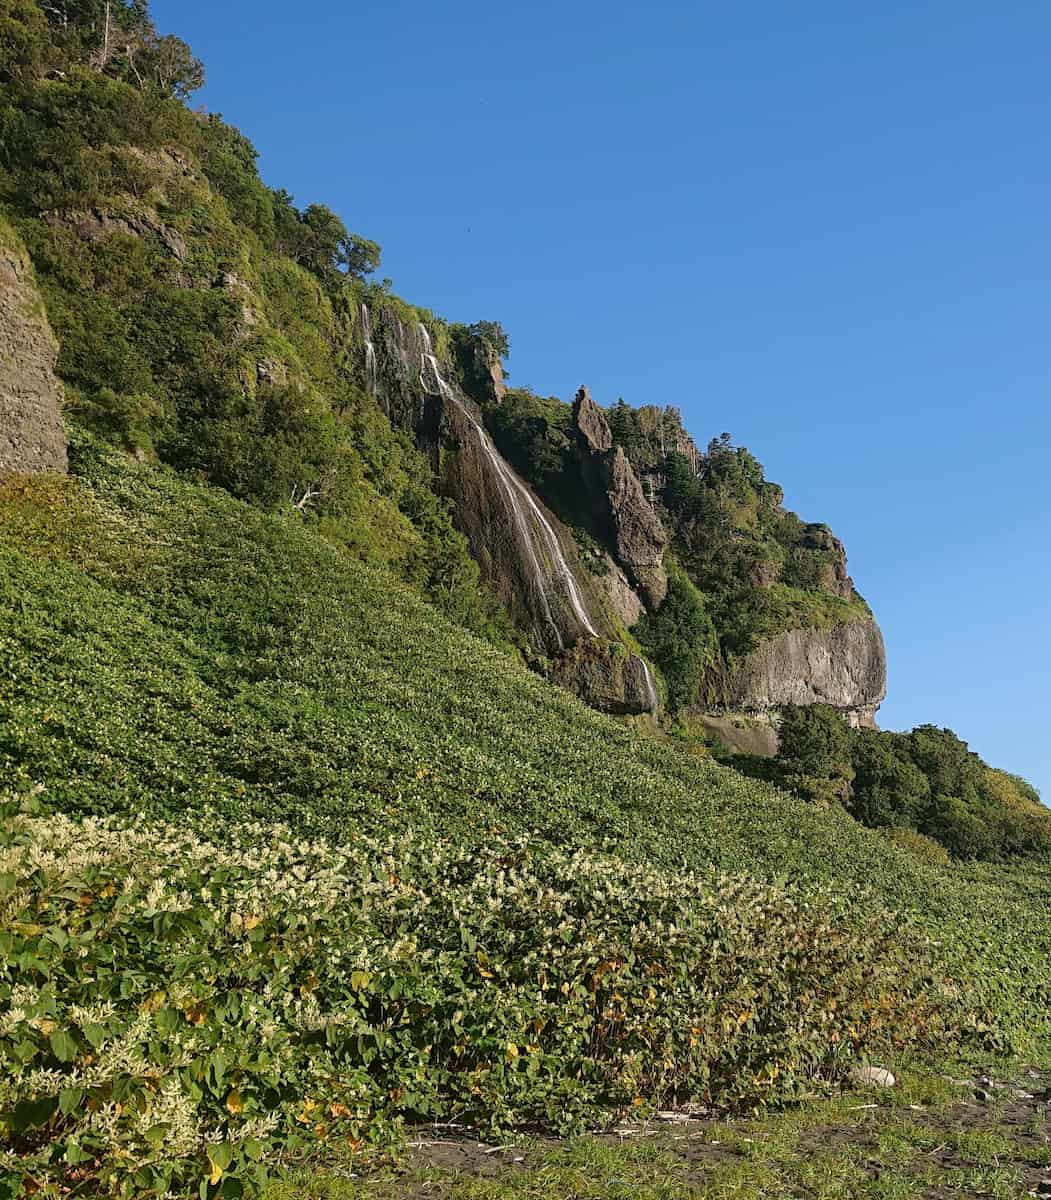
[680, 638]
[927, 780]
[917, 844]
[182, 1008]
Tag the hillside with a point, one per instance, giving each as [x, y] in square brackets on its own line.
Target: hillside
[200, 670]
[382, 744]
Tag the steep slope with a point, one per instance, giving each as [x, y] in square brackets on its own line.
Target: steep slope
[205, 321]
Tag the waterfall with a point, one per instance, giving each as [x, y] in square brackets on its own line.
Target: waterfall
[651, 687]
[370, 351]
[518, 495]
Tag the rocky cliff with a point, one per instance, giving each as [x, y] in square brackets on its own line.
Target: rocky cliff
[527, 556]
[574, 606]
[633, 527]
[31, 433]
[844, 667]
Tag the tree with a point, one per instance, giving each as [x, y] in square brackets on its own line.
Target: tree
[359, 255]
[24, 41]
[325, 247]
[680, 638]
[166, 63]
[814, 752]
[889, 789]
[493, 333]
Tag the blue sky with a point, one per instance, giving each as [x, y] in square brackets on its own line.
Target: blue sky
[822, 227]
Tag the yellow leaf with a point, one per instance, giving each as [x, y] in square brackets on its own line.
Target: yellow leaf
[234, 1103]
[512, 1051]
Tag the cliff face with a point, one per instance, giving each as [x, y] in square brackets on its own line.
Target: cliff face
[526, 554]
[31, 433]
[571, 613]
[638, 536]
[845, 667]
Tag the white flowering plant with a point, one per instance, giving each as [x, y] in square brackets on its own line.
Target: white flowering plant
[184, 1010]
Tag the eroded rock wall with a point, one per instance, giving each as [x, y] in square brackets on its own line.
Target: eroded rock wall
[32, 438]
[845, 667]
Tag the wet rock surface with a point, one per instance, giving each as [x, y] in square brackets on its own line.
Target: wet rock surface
[608, 678]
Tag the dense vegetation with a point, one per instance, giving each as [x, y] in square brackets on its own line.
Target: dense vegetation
[926, 780]
[203, 319]
[290, 856]
[754, 569]
[193, 670]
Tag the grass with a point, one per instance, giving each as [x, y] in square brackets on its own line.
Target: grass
[908, 1144]
[167, 650]
[170, 655]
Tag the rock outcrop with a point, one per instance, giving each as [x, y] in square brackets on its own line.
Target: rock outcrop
[636, 531]
[845, 667]
[608, 677]
[32, 438]
[488, 372]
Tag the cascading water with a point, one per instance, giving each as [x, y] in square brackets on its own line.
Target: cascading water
[651, 687]
[370, 351]
[528, 518]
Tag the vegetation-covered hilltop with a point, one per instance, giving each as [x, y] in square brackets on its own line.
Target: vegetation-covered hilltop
[296, 851]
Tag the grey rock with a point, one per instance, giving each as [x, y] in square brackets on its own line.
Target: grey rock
[96, 223]
[638, 537]
[845, 667]
[32, 438]
[489, 372]
[606, 676]
[590, 422]
[873, 1077]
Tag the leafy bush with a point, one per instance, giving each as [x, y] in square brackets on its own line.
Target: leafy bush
[183, 1009]
[680, 638]
[928, 781]
[917, 844]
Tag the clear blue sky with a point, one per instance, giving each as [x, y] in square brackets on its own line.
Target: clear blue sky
[822, 227]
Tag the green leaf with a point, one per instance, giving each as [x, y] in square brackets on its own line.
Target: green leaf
[167, 1019]
[95, 1034]
[69, 1100]
[220, 1156]
[63, 1046]
[156, 1134]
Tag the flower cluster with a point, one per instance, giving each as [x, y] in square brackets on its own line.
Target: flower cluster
[178, 1005]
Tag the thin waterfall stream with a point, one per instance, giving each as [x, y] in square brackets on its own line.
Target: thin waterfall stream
[518, 496]
[370, 351]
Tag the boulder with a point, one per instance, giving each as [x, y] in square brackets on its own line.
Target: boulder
[873, 1077]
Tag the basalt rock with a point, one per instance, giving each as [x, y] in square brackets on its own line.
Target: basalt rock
[32, 438]
[621, 505]
[844, 667]
[607, 677]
